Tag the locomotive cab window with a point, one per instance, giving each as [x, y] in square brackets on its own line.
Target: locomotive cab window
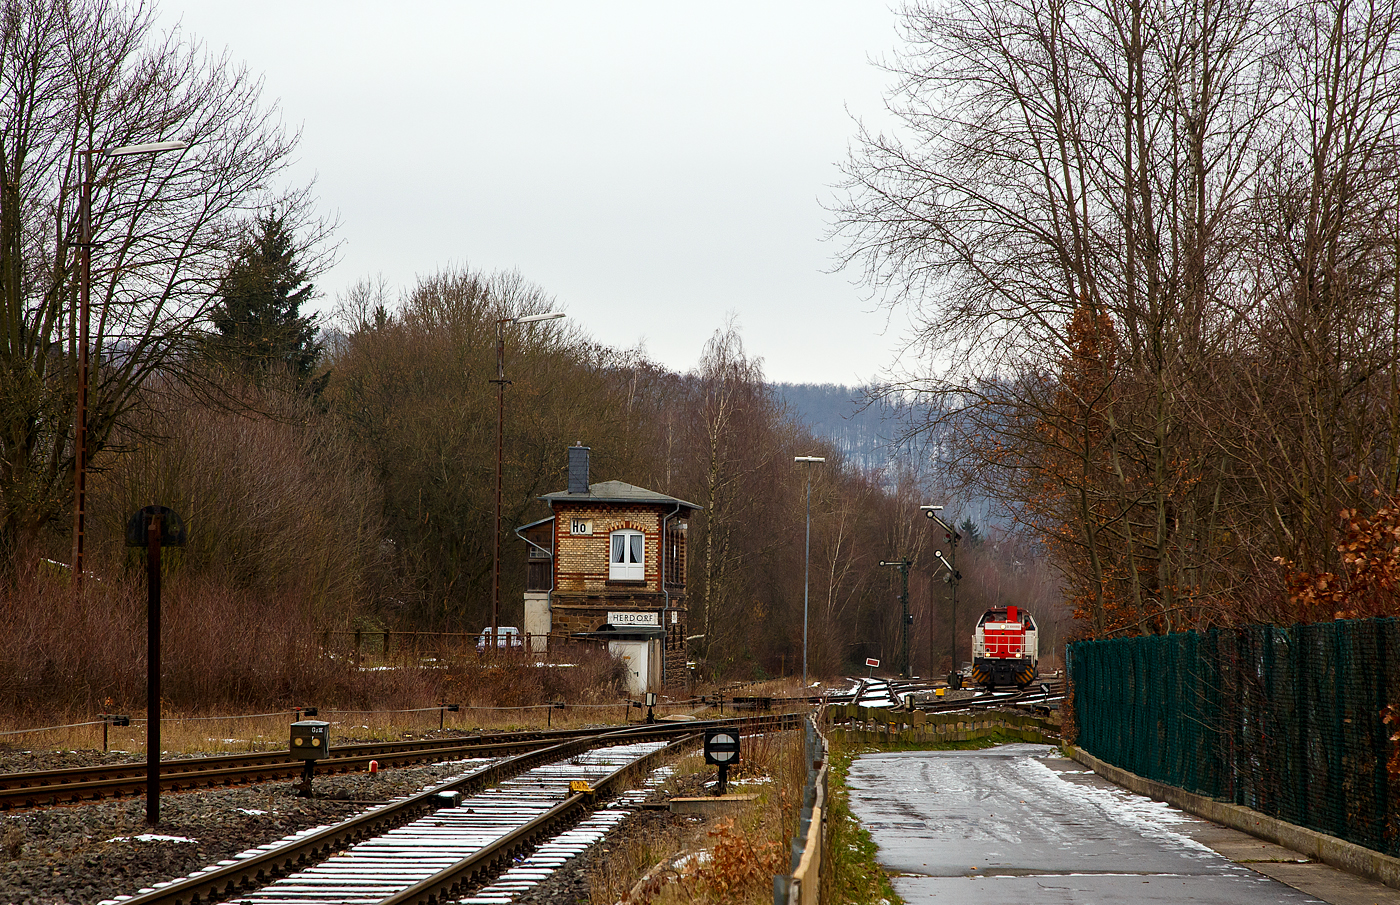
[625, 561]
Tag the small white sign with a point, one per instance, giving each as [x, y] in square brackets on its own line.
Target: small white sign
[581, 527]
[634, 619]
[871, 661]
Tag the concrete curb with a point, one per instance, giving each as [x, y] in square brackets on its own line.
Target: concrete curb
[1343, 855]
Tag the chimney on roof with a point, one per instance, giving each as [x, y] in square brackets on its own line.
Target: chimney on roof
[578, 468]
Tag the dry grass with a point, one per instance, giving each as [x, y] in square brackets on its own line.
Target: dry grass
[632, 857]
[186, 734]
[742, 852]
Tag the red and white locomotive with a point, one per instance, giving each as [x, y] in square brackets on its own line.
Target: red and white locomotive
[1004, 650]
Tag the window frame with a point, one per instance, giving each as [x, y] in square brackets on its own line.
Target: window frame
[633, 544]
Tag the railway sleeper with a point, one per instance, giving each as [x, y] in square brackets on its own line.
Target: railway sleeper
[288, 857]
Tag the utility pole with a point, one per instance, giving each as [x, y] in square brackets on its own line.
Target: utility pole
[500, 383]
[904, 617]
[807, 559]
[954, 576]
[80, 438]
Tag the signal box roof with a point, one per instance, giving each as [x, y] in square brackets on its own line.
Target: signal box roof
[617, 492]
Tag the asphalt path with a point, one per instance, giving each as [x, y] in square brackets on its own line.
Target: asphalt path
[1021, 824]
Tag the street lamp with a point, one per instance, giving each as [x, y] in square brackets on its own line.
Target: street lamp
[904, 618]
[84, 292]
[807, 559]
[500, 383]
[953, 576]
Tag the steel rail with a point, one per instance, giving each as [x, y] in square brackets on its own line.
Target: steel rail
[1017, 699]
[215, 775]
[353, 749]
[213, 884]
[87, 784]
[209, 886]
[491, 857]
[1034, 701]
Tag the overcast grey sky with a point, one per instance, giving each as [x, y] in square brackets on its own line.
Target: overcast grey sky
[654, 166]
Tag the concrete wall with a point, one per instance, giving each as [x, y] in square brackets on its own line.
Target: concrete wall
[537, 619]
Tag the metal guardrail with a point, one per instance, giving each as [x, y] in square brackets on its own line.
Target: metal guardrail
[809, 843]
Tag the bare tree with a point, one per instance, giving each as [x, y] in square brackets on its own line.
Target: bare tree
[1187, 184]
[1315, 424]
[732, 411]
[88, 75]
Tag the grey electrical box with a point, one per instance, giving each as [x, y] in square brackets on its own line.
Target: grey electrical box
[311, 739]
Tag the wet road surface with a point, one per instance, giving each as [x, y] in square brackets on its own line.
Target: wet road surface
[1020, 824]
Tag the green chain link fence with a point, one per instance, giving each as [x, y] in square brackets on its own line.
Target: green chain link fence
[1287, 721]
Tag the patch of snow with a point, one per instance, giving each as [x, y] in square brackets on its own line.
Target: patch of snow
[692, 859]
[1147, 817]
[251, 811]
[151, 837]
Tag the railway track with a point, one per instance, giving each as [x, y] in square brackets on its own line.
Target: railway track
[518, 814]
[885, 693]
[79, 784]
[1033, 696]
[85, 784]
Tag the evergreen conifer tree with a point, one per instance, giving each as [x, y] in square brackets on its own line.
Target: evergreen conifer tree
[970, 532]
[258, 315]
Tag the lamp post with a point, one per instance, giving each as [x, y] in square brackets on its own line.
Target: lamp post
[904, 619]
[84, 293]
[500, 383]
[954, 576]
[807, 558]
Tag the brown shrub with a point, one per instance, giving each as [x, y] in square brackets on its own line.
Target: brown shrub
[228, 649]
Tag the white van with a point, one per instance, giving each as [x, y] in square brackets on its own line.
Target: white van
[507, 636]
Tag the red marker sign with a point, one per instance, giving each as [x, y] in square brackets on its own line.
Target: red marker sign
[871, 661]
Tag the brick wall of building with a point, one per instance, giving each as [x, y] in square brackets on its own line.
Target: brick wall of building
[568, 618]
[584, 595]
[581, 561]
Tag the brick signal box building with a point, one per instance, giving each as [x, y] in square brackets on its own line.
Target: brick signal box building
[610, 564]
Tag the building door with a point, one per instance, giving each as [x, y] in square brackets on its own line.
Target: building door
[633, 655]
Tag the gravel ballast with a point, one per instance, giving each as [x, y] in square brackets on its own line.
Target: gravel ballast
[89, 853]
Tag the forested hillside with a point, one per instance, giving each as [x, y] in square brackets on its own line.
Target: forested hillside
[1158, 371]
[358, 492]
[864, 430]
